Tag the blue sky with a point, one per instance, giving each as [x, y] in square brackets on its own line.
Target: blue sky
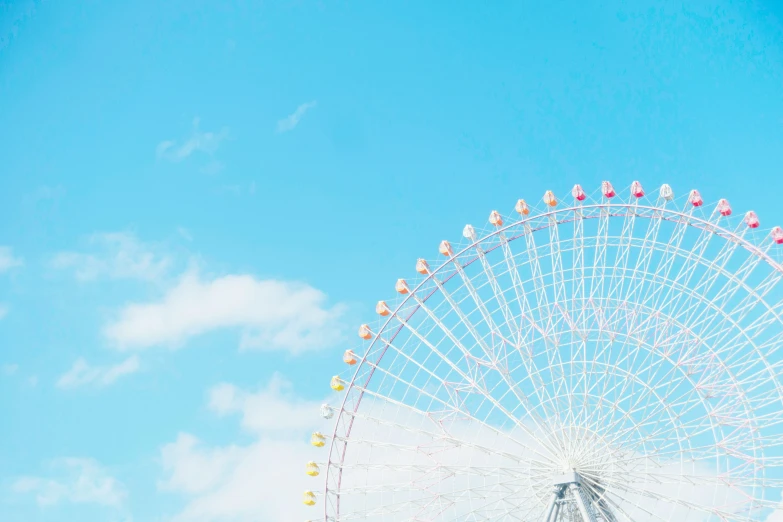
[200, 202]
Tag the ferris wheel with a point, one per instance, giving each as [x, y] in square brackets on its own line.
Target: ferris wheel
[612, 357]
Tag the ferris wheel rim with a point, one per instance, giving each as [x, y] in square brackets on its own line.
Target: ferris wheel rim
[572, 213]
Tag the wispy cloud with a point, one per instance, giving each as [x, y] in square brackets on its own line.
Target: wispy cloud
[8, 260]
[292, 120]
[10, 369]
[82, 374]
[272, 315]
[44, 193]
[3, 310]
[199, 141]
[115, 255]
[74, 481]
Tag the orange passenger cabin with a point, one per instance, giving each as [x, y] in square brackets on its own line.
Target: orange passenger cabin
[522, 208]
[445, 248]
[350, 358]
[382, 308]
[495, 218]
[365, 332]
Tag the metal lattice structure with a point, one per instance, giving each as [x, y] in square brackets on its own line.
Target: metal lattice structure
[612, 359]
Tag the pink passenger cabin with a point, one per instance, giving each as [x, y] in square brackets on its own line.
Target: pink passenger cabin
[607, 189]
[723, 207]
[636, 189]
[578, 193]
[752, 220]
[777, 235]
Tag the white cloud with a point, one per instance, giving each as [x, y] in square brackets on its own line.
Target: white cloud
[116, 255]
[3, 310]
[192, 469]
[76, 481]
[259, 481]
[10, 369]
[272, 409]
[272, 314]
[292, 120]
[45, 192]
[82, 374]
[8, 260]
[199, 141]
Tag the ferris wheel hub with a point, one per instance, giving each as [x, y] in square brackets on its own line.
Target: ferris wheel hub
[571, 477]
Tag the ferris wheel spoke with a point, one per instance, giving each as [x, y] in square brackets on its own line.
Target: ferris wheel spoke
[524, 400]
[557, 275]
[598, 272]
[733, 284]
[426, 496]
[663, 269]
[693, 259]
[490, 352]
[620, 265]
[452, 439]
[446, 470]
[554, 360]
[528, 448]
[641, 267]
[560, 309]
[527, 334]
[722, 513]
[510, 322]
[668, 296]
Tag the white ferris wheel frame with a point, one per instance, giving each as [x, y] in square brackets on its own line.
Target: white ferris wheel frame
[349, 409]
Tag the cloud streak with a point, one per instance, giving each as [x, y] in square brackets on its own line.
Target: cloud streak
[8, 260]
[82, 374]
[271, 314]
[76, 481]
[292, 120]
[114, 255]
[199, 141]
